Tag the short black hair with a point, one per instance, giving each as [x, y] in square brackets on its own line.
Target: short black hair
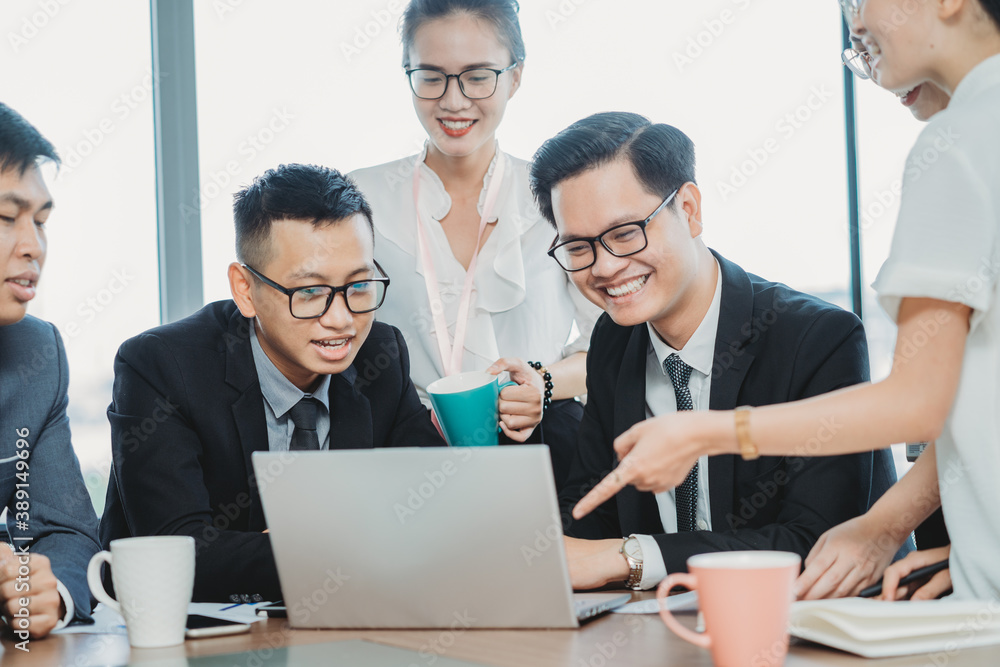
[21, 145]
[502, 14]
[661, 156]
[292, 192]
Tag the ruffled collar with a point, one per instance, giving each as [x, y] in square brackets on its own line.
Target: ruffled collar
[436, 197]
[500, 275]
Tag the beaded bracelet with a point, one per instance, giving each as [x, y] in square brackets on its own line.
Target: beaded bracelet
[547, 377]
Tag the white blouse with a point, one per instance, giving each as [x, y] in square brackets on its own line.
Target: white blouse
[947, 246]
[523, 304]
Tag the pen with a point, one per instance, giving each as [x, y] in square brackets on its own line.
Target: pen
[916, 575]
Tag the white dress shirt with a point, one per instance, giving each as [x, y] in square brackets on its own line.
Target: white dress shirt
[699, 354]
[946, 246]
[523, 304]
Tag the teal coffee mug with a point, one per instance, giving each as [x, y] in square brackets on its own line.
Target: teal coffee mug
[466, 407]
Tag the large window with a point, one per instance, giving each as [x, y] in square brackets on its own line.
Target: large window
[82, 75]
[756, 85]
[326, 86]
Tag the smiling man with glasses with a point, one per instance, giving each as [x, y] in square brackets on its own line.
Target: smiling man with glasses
[294, 362]
[686, 329]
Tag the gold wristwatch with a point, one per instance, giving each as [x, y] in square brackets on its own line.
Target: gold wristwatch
[631, 550]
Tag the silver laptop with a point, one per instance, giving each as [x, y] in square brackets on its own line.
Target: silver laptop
[458, 538]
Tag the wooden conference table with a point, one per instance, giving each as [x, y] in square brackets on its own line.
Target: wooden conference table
[614, 639]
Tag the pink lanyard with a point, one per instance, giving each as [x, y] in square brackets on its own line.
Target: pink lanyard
[451, 354]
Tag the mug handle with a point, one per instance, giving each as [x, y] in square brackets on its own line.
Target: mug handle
[690, 582]
[94, 580]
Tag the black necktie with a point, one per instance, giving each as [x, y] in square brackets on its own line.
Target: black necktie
[303, 416]
[685, 495]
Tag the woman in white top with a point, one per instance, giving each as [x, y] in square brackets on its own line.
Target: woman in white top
[940, 286]
[852, 556]
[463, 60]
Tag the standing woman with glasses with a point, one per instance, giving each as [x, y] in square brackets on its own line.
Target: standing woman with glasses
[460, 235]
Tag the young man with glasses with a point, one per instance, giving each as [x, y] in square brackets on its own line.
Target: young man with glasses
[685, 329]
[294, 362]
[51, 526]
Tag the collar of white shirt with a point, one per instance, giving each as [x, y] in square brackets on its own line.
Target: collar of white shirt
[699, 352]
[281, 395]
[982, 77]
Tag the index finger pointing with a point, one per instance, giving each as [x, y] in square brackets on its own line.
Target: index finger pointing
[614, 482]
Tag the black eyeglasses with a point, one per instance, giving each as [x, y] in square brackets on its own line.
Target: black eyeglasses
[621, 241]
[476, 84]
[312, 301]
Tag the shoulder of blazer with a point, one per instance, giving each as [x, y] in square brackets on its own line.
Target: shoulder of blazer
[31, 352]
[209, 328]
[782, 314]
[215, 337]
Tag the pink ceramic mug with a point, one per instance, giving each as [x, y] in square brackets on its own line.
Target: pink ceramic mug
[745, 598]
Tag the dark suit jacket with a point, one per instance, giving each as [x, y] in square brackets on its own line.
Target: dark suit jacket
[773, 345]
[54, 508]
[187, 413]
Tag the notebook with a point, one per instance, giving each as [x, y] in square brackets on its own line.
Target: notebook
[878, 629]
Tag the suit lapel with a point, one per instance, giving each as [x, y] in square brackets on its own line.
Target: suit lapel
[637, 511]
[248, 408]
[350, 414]
[729, 368]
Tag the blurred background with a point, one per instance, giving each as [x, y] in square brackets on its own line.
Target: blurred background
[757, 85]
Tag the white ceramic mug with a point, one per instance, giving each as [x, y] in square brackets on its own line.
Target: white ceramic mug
[154, 580]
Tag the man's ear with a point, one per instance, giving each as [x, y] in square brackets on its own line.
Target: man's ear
[690, 202]
[242, 290]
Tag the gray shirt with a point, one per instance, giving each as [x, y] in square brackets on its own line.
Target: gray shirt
[280, 396]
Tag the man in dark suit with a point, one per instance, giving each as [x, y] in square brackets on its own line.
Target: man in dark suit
[294, 362]
[51, 527]
[685, 329]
